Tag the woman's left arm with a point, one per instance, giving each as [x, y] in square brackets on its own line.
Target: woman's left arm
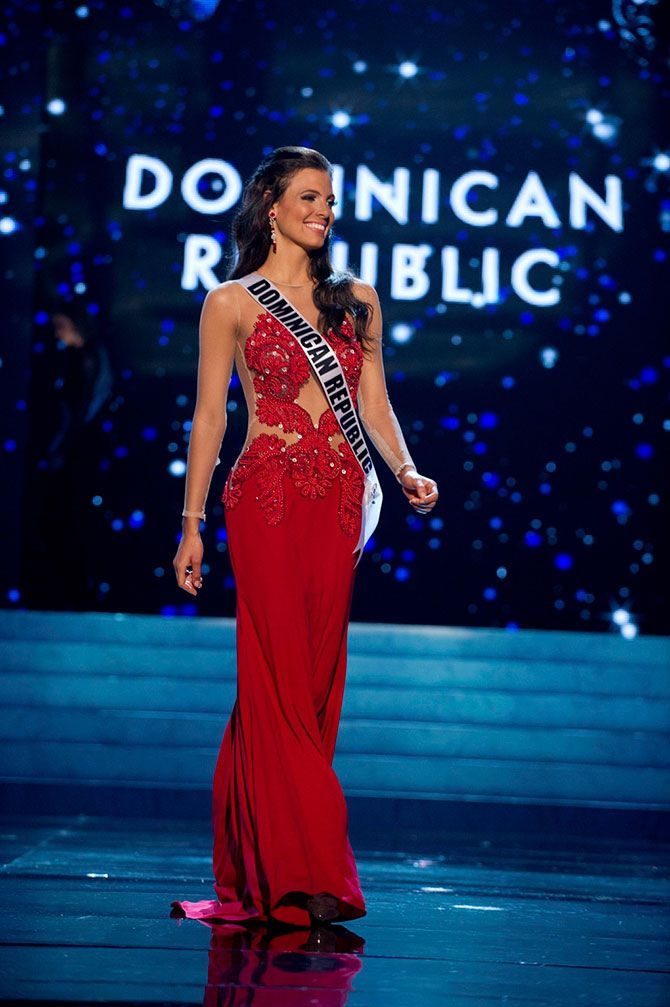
[378, 418]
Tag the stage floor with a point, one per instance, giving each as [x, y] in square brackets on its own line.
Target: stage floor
[474, 919]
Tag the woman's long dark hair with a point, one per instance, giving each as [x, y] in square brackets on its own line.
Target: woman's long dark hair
[333, 293]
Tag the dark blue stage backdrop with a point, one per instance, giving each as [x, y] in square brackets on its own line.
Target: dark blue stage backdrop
[501, 172]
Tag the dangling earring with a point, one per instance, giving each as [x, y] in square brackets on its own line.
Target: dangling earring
[273, 236]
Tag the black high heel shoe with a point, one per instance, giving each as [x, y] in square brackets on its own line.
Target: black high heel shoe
[323, 907]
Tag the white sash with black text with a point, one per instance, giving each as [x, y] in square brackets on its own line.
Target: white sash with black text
[328, 370]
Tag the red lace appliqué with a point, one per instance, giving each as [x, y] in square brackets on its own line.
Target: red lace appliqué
[280, 369]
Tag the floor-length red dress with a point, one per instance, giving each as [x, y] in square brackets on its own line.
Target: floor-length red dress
[292, 504]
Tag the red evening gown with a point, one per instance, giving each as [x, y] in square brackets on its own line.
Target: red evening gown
[292, 505]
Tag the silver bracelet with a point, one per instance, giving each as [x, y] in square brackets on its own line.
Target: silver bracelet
[194, 513]
[405, 465]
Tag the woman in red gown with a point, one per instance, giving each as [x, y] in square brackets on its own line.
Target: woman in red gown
[292, 505]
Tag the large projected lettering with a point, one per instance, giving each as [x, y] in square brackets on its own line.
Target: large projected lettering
[417, 270]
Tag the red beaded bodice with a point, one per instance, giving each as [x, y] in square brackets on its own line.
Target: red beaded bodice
[301, 450]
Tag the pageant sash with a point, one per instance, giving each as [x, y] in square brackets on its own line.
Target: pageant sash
[328, 370]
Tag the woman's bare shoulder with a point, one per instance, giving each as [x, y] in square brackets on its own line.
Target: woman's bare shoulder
[224, 301]
[224, 295]
[364, 291]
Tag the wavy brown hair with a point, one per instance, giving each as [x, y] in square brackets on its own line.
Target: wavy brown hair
[333, 293]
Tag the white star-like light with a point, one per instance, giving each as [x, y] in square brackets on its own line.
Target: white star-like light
[659, 163]
[340, 119]
[408, 69]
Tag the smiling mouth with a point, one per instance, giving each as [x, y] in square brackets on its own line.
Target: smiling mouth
[317, 227]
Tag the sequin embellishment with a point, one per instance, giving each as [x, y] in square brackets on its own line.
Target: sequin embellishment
[280, 369]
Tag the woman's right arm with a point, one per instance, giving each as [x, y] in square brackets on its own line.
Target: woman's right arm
[219, 324]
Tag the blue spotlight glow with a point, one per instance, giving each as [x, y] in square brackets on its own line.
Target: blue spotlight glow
[549, 356]
[401, 333]
[605, 130]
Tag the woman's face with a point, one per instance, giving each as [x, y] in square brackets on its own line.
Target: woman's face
[304, 213]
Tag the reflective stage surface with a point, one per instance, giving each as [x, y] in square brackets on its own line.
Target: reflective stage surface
[474, 919]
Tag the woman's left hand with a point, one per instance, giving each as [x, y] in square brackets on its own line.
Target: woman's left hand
[419, 490]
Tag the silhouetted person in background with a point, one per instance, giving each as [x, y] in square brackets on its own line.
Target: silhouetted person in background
[72, 382]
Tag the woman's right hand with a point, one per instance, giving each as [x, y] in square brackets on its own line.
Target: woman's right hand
[188, 562]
